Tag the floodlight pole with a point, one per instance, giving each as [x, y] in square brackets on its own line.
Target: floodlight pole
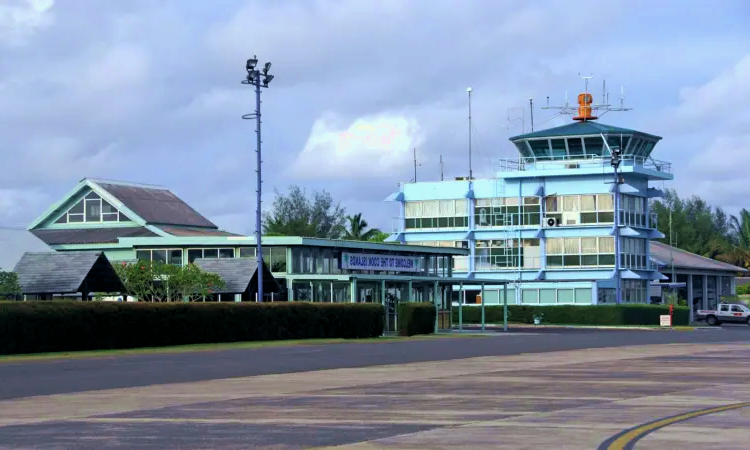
[253, 78]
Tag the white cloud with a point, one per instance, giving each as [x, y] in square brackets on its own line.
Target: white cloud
[369, 147]
[20, 19]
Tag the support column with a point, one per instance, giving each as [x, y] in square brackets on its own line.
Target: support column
[461, 296]
[289, 293]
[353, 292]
[482, 306]
[411, 292]
[690, 295]
[436, 299]
[505, 306]
[705, 291]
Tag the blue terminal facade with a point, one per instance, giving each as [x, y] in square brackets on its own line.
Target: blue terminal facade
[546, 221]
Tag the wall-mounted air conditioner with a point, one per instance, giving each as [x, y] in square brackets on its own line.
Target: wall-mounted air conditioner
[551, 222]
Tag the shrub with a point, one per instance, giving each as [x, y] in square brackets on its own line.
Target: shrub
[576, 314]
[416, 318]
[32, 327]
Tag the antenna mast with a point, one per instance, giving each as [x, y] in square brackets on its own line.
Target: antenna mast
[415, 164]
[531, 108]
[586, 107]
[470, 171]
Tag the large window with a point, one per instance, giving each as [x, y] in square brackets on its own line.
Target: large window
[588, 209]
[581, 252]
[168, 255]
[633, 211]
[633, 253]
[213, 253]
[273, 257]
[502, 254]
[500, 212]
[92, 208]
[437, 214]
[634, 291]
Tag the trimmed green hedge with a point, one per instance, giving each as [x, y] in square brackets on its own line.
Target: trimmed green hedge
[50, 326]
[416, 318]
[575, 314]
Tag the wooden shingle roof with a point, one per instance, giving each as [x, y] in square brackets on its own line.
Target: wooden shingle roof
[66, 272]
[239, 274]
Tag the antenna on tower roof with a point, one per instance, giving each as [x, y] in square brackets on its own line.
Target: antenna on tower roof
[586, 107]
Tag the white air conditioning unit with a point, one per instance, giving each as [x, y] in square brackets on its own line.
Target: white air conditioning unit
[551, 222]
[571, 218]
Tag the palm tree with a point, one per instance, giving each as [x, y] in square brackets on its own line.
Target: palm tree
[357, 227]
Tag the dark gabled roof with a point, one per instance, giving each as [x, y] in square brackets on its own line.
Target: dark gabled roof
[191, 231]
[65, 272]
[156, 205]
[686, 260]
[89, 235]
[580, 129]
[239, 274]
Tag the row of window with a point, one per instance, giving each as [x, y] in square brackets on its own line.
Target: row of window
[581, 147]
[586, 209]
[92, 208]
[274, 257]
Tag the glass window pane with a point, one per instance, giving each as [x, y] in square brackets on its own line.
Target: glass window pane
[447, 208]
[566, 296]
[606, 217]
[588, 203]
[62, 219]
[430, 208]
[558, 149]
[93, 210]
[107, 208]
[572, 246]
[606, 244]
[92, 195]
[124, 218]
[77, 208]
[594, 145]
[605, 202]
[111, 217]
[413, 209]
[226, 253]
[547, 296]
[528, 296]
[575, 146]
[175, 257]
[570, 203]
[210, 253]
[552, 204]
[588, 245]
[583, 295]
[143, 255]
[540, 147]
[247, 252]
[193, 254]
[554, 246]
[159, 255]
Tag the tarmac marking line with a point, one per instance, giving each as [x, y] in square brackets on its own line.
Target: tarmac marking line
[627, 439]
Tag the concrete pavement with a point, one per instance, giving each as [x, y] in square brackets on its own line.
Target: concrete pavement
[574, 399]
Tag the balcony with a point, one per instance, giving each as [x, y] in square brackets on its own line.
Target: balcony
[522, 163]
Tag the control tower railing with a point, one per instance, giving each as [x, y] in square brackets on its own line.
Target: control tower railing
[523, 163]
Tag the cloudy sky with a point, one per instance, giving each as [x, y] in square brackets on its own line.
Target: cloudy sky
[149, 91]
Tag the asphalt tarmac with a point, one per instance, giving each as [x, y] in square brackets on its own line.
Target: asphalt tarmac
[69, 376]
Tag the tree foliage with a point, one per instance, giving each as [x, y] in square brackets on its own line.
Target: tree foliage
[10, 289]
[160, 282]
[693, 225]
[380, 236]
[297, 214]
[357, 229]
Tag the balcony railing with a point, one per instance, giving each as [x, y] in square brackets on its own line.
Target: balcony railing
[523, 163]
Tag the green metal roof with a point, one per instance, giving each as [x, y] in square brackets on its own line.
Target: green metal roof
[580, 129]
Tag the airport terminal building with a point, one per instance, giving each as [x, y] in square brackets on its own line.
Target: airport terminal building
[546, 221]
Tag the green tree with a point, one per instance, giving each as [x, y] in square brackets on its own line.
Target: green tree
[161, 282]
[380, 236]
[10, 289]
[357, 229]
[296, 214]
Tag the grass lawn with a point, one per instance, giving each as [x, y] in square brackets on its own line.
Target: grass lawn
[212, 347]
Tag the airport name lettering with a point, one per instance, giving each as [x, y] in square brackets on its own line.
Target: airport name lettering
[381, 262]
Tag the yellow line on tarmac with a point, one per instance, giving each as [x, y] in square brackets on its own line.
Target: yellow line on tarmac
[627, 439]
